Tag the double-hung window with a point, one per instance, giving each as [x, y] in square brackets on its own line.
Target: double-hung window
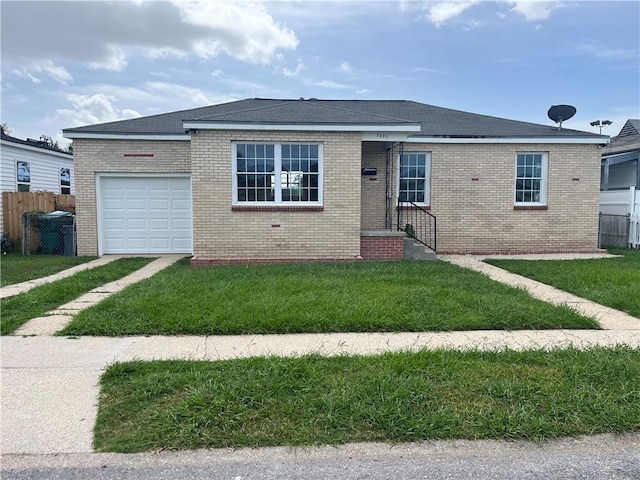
[23, 176]
[65, 180]
[414, 178]
[277, 174]
[531, 179]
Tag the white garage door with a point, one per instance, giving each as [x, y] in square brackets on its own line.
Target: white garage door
[146, 215]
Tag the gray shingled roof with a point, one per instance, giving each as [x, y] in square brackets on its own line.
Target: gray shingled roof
[435, 121]
[627, 140]
[33, 143]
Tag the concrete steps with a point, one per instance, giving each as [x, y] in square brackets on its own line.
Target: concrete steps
[416, 251]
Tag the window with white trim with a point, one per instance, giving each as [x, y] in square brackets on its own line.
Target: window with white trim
[277, 173]
[414, 178]
[531, 179]
[23, 176]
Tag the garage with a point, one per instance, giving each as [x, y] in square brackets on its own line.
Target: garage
[144, 214]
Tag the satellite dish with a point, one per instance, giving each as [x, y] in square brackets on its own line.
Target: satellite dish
[560, 113]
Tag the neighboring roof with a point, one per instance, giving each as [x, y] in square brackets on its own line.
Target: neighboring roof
[628, 140]
[30, 142]
[631, 127]
[432, 121]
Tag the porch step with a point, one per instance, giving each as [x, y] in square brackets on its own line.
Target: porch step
[416, 251]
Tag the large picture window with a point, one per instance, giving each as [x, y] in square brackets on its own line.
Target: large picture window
[531, 179]
[414, 178]
[273, 173]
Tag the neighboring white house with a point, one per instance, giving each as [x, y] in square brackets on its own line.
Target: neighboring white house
[33, 166]
[620, 187]
[620, 170]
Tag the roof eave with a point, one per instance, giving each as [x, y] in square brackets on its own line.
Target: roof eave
[61, 154]
[599, 140]
[73, 135]
[304, 127]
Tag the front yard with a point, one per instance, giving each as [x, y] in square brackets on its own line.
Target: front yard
[317, 298]
[614, 282]
[18, 310]
[395, 397]
[16, 268]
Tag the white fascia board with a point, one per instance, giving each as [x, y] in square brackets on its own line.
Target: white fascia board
[116, 136]
[379, 136]
[302, 127]
[46, 151]
[513, 140]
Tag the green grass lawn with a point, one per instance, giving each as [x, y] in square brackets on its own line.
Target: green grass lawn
[614, 282]
[15, 268]
[36, 302]
[394, 397]
[353, 297]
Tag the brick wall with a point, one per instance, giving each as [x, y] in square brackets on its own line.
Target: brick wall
[222, 233]
[472, 196]
[382, 247]
[374, 155]
[92, 157]
[472, 190]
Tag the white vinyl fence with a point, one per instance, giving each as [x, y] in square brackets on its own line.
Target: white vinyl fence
[634, 219]
[620, 218]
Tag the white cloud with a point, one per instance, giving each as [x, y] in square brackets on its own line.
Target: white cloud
[21, 72]
[87, 110]
[116, 60]
[425, 70]
[534, 10]
[600, 51]
[190, 96]
[243, 29]
[344, 67]
[106, 34]
[293, 73]
[440, 12]
[330, 84]
[57, 73]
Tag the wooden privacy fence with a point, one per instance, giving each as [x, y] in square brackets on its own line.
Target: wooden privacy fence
[14, 204]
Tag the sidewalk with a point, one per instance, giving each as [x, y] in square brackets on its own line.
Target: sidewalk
[50, 384]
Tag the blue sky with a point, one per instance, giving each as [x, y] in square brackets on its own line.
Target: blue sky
[66, 64]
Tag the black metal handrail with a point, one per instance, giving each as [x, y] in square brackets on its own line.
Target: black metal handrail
[418, 223]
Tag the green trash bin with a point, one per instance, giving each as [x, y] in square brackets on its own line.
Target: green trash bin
[51, 231]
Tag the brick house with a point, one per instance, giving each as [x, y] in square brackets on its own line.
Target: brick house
[265, 180]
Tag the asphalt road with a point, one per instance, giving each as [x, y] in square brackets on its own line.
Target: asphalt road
[599, 457]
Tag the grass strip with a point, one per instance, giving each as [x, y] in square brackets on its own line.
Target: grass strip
[395, 397]
[614, 282]
[36, 302]
[316, 298]
[15, 268]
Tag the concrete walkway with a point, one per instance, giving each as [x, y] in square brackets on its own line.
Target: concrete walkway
[608, 318]
[18, 288]
[57, 319]
[50, 384]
